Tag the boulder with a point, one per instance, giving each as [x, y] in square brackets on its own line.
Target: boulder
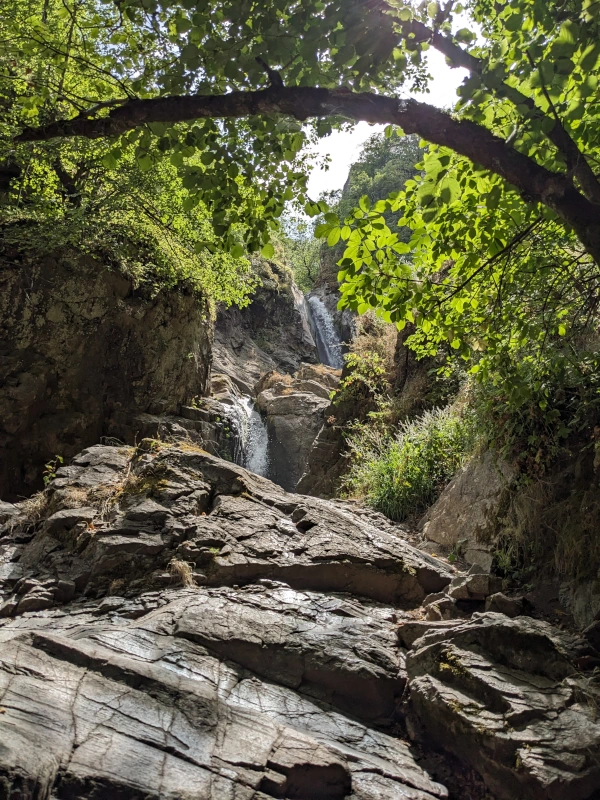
[506, 696]
[89, 351]
[293, 420]
[511, 606]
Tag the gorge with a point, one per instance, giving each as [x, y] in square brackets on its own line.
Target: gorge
[299, 400]
[176, 625]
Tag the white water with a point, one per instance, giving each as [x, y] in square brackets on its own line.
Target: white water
[329, 345]
[252, 448]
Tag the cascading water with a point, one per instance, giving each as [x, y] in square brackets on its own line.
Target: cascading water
[256, 455]
[252, 439]
[329, 345]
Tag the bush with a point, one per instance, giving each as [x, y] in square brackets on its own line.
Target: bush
[402, 474]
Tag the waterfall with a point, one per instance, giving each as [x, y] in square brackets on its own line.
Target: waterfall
[252, 439]
[256, 456]
[329, 345]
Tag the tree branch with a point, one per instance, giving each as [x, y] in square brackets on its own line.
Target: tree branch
[467, 138]
[416, 31]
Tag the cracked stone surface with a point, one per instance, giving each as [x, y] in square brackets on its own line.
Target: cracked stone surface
[299, 665]
[506, 695]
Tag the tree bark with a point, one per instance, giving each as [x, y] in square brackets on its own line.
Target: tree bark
[554, 190]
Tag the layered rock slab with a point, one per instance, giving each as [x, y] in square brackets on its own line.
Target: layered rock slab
[281, 673]
[243, 687]
[508, 697]
[114, 708]
[232, 526]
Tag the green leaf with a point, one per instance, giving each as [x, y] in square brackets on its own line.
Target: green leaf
[322, 230]
[334, 237]
[267, 251]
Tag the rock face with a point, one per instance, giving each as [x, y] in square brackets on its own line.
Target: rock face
[272, 333]
[506, 696]
[131, 687]
[294, 410]
[85, 354]
[467, 512]
[173, 626]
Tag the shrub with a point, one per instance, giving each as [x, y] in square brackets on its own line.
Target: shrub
[403, 473]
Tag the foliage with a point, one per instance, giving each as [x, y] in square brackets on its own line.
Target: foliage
[402, 473]
[384, 165]
[557, 403]
[301, 250]
[137, 221]
[498, 277]
[133, 211]
[50, 469]
[364, 378]
[503, 257]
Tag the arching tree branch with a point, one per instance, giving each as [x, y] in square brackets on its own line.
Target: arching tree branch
[416, 31]
[463, 136]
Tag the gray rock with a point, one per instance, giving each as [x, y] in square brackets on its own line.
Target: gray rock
[35, 601]
[337, 651]
[505, 696]
[69, 517]
[511, 606]
[280, 673]
[466, 513]
[445, 608]
[474, 586]
[7, 511]
[87, 353]
[294, 419]
[137, 710]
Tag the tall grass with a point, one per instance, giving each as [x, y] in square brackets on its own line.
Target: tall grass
[402, 473]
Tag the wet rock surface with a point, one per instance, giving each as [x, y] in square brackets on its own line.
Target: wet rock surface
[272, 333]
[296, 661]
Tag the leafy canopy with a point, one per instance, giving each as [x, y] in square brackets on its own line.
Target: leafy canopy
[505, 218]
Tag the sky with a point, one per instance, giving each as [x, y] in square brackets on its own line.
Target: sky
[344, 147]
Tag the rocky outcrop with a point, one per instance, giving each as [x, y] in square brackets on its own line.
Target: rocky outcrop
[467, 514]
[294, 410]
[84, 354]
[238, 687]
[272, 333]
[173, 626]
[507, 696]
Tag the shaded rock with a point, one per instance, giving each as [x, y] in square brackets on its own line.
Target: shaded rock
[474, 586]
[69, 517]
[7, 511]
[582, 600]
[445, 608]
[466, 513]
[35, 601]
[72, 312]
[327, 462]
[592, 635]
[293, 420]
[272, 333]
[504, 695]
[511, 606]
